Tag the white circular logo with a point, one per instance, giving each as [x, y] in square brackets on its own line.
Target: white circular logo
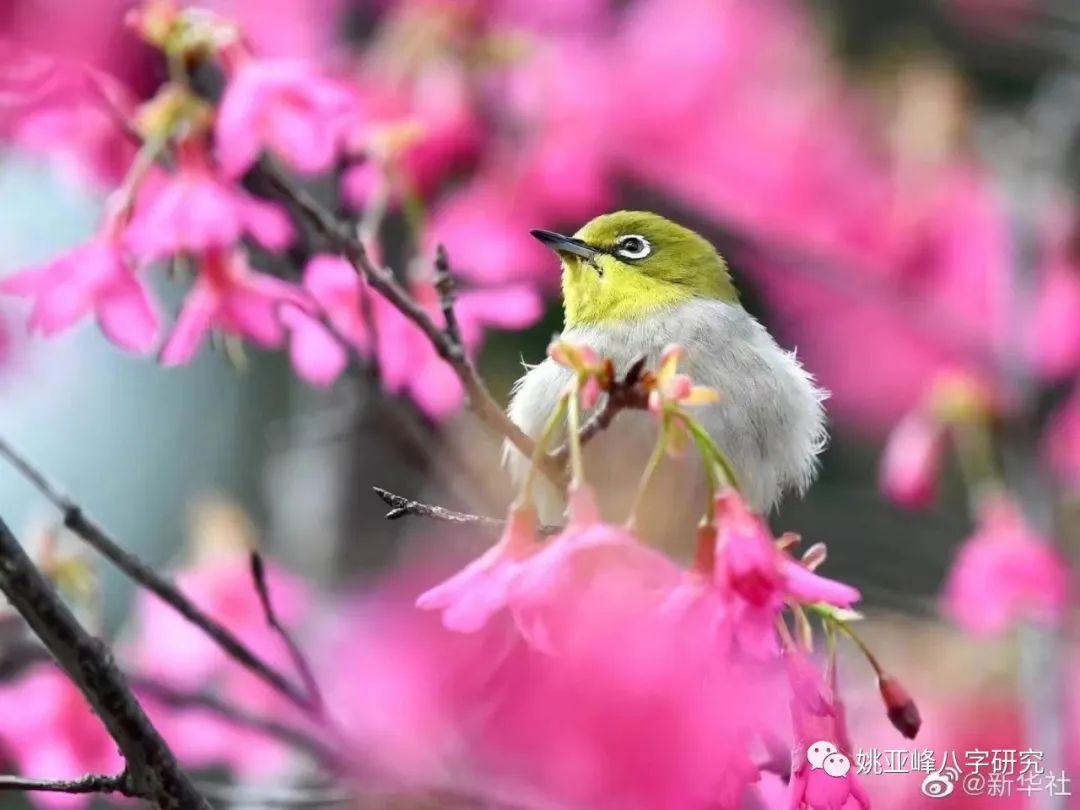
[938, 785]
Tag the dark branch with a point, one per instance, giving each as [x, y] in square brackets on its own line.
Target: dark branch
[444, 286]
[277, 729]
[402, 506]
[137, 570]
[153, 772]
[311, 685]
[91, 783]
[24, 653]
[449, 349]
[328, 796]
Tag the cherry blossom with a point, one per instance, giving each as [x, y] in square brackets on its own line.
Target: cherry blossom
[288, 108]
[50, 732]
[94, 278]
[194, 211]
[1005, 572]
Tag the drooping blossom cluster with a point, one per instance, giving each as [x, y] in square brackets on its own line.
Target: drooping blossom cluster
[687, 661]
[612, 674]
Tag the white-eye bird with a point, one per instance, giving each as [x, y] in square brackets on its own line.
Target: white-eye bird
[633, 283]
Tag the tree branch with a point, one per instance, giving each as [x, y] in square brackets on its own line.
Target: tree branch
[311, 685]
[152, 770]
[91, 783]
[271, 727]
[76, 520]
[445, 287]
[402, 506]
[447, 346]
[328, 796]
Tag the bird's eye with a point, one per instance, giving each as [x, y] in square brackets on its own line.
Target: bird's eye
[633, 247]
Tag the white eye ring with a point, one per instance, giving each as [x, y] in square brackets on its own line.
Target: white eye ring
[633, 246]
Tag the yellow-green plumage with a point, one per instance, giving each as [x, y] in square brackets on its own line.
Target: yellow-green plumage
[681, 266]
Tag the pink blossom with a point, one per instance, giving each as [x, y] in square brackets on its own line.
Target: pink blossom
[564, 163]
[93, 278]
[1005, 572]
[625, 718]
[817, 716]
[422, 684]
[619, 696]
[77, 134]
[487, 239]
[318, 356]
[751, 564]
[473, 595]
[286, 107]
[589, 566]
[756, 578]
[911, 464]
[92, 34]
[337, 288]
[194, 210]
[169, 649]
[229, 296]
[1061, 444]
[410, 365]
[316, 348]
[1056, 319]
[673, 388]
[555, 15]
[288, 28]
[50, 732]
[948, 254]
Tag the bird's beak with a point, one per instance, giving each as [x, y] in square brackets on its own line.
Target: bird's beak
[565, 244]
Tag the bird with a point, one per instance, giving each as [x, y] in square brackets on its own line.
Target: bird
[634, 283]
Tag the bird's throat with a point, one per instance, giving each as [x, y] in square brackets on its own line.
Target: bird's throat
[596, 295]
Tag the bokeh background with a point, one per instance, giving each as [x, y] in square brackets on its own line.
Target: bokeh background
[893, 183]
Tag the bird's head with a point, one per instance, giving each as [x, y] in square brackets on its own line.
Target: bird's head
[628, 264]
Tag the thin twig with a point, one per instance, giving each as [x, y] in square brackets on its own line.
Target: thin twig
[402, 506]
[152, 770]
[76, 520]
[444, 286]
[24, 653]
[311, 685]
[285, 732]
[91, 783]
[286, 796]
[340, 235]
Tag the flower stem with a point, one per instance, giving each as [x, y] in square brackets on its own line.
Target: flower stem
[650, 470]
[847, 630]
[705, 441]
[975, 455]
[573, 420]
[525, 498]
[711, 478]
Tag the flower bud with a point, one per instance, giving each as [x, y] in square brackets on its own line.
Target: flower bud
[705, 552]
[900, 706]
[912, 460]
